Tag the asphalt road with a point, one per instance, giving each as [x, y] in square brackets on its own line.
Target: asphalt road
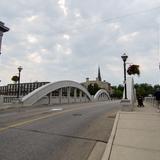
[67, 132]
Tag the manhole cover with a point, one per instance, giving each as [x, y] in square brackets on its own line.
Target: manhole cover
[77, 114]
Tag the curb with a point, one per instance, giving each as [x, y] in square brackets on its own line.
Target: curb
[107, 152]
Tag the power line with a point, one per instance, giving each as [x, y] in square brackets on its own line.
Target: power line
[110, 19]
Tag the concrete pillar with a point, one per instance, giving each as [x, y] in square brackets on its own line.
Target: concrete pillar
[80, 95]
[49, 98]
[68, 94]
[60, 95]
[1, 99]
[75, 94]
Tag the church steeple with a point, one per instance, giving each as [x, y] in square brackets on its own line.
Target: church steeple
[99, 74]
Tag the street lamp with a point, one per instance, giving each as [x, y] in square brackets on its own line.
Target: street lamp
[19, 76]
[3, 29]
[124, 58]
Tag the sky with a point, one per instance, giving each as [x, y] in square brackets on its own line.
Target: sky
[57, 40]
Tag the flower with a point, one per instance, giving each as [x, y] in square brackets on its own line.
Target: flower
[133, 69]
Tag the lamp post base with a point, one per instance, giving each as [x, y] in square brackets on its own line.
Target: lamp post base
[126, 105]
[125, 101]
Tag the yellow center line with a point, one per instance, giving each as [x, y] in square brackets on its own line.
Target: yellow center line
[40, 118]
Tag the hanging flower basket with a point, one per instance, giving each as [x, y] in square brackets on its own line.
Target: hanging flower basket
[133, 69]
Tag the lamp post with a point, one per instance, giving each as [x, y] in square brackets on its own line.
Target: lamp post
[124, 58]
[3, 29]
[19, 76]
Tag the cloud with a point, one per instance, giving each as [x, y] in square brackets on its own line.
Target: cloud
[32, 39]
[32, 18]
[66, 36]
[128, 37]
[35, 57]
[62, 5]
[76, 37]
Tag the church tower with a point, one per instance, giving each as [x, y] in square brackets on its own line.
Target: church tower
[99, 74]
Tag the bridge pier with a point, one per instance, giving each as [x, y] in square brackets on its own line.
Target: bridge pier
[60, 95]
[75, 95]
[68, 94]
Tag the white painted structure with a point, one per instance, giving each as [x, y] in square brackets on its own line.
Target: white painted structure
[40, 94]
[102, 95]
[131, 93]
[75, 93]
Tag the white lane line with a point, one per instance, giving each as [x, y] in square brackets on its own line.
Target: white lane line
[56, 109]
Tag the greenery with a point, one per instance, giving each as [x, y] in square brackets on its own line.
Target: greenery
[117, 92]
[133, 69]
[15, 79]
[145, 89]
[142, 89]
[93, 88]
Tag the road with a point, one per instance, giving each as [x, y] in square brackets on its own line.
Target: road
[64, 132]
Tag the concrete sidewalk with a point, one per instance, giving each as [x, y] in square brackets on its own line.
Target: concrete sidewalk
[135, 135]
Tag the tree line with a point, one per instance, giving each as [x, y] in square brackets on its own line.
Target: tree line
[143, 89]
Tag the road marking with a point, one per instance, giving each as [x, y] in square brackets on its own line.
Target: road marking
[56, 109]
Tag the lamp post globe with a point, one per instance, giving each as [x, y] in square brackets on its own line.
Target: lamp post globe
[20, 68]
[19, 77]
[124, 58]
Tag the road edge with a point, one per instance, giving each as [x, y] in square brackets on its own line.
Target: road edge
[108, 149]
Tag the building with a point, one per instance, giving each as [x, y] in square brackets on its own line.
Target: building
[101, 84]
[25, 88]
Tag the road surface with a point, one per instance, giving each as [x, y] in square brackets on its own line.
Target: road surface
[62, 132]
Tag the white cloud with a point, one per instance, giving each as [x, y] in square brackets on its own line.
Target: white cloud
[114, 26]
[76, 36]
[68, 51]
[77, 13]
[63, 50]
[35, 57]
[66, 36]
[32, 18]
[62, 5]
[32, 39]
[128, 37]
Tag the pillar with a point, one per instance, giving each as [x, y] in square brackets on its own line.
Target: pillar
[80, 95]
[68, 94]
[75, 94]
[49, 98]
[60, 95]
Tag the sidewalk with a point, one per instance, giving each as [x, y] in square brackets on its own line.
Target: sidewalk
[135, 135]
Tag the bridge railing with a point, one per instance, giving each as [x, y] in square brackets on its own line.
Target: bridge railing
[149, 99]
[7, 99]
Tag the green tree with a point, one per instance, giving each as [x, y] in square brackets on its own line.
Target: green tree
[15, 79]
[144, 89]
[93, 88]
[117, 91]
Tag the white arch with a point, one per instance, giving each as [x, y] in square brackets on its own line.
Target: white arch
[40, 92]
[99, 93]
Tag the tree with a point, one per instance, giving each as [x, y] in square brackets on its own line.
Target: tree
[93, 88]
[117, 91]
[15, 79]
[144, 89]
[133, 69]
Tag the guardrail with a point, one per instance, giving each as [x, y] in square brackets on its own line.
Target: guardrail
[149, 99]
[7, 99]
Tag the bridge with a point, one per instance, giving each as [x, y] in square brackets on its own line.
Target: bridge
[66, 92]
[62, 92]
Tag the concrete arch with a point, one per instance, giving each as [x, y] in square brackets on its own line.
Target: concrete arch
[37, 94]
[99, 93]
